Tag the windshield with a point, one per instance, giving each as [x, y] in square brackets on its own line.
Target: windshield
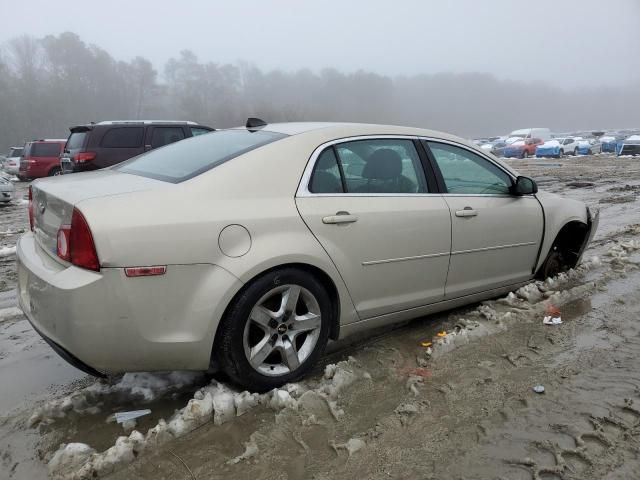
[183, 160]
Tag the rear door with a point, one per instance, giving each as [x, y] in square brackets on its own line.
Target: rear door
[376, 213]
[159, 136]
[117, 144]
[495, 235]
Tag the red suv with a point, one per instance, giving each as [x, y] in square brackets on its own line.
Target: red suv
[41, 158]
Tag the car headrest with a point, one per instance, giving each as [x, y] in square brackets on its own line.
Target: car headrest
[383, 164]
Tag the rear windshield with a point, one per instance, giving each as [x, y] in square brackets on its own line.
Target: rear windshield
[15, 152]
[181, 161]
[76, 140]
[42, 150]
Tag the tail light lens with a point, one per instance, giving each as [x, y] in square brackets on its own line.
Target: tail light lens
[84, 157]
[30, 208]
[75, 243]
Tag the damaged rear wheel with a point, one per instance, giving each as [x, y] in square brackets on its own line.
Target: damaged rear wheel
[275, 330]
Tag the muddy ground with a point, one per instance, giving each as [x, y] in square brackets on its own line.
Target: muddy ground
[379, 407]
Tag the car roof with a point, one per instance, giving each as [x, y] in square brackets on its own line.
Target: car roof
[335, 130]
[145, 122]
[45, 140]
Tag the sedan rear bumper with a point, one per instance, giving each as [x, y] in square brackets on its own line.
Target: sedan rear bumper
[107, 322]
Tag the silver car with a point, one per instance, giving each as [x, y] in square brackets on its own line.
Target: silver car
[12, 162]
[248, 249]
[7, 190]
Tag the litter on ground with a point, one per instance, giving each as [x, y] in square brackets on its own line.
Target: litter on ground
[122, 417]
[548, 320]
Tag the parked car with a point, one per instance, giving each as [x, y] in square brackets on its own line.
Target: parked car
[41, 158]
[550, 148]
[247, 249]
[558, 147]
[543, 133]
[610, 143]
[12, 162]
[589, 146]
[522, 148]
[497, 147]
[630, 146]
[7, 190]
[100, 145]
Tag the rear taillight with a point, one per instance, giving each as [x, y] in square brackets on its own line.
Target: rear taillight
[75, 243]
[84, 157]
[30, 208]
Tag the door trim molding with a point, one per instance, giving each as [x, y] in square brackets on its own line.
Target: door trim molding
[404, 259]
[497, 247]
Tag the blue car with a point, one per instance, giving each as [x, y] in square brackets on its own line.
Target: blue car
[589, 147]
[552, 148]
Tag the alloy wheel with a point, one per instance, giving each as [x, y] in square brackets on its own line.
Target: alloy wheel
[282, 330]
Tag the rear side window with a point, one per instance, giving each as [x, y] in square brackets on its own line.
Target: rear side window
[184, 160]
[76, 140]
[195, 131]
[162, 136]
[326, 177]
[14, 152]
[45, 150]
[123, 137]
[369, 166]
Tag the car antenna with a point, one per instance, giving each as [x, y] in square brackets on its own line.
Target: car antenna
[255, 122]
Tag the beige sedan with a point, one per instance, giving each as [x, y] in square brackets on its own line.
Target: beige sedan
[248, 249]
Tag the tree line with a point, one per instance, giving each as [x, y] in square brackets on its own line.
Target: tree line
[49, 84]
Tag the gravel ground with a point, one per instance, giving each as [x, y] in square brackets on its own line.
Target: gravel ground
[390, 408]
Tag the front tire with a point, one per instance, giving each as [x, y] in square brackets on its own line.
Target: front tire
[275, 330]
[55, 171]
[554, 264]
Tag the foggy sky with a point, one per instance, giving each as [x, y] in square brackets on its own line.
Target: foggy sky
[567, 43]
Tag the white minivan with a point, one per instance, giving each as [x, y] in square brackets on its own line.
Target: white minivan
[542, 133]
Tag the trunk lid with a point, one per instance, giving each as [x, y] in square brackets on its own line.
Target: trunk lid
[55, 198]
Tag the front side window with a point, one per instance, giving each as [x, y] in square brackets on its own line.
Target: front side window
[123, 137]
[370, 166]
[162, 136]
[181, 161]
[464, 172]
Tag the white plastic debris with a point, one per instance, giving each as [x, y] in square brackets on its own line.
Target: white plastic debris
[538, 389]
[122, 417]
[549, 320]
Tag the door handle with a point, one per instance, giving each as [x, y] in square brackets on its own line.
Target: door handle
[340, 217]
[466, 212]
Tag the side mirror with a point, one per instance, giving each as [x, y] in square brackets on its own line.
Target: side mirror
[524, 186]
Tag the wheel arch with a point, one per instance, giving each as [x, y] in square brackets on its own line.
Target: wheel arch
[571, 240]
[319, 274]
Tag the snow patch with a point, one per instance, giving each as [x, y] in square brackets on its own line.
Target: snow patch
[7, 251]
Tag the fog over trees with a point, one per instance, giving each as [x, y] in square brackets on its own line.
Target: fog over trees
[49, 84]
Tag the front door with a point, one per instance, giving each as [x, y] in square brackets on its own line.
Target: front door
[368, 204]
[495, 235]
